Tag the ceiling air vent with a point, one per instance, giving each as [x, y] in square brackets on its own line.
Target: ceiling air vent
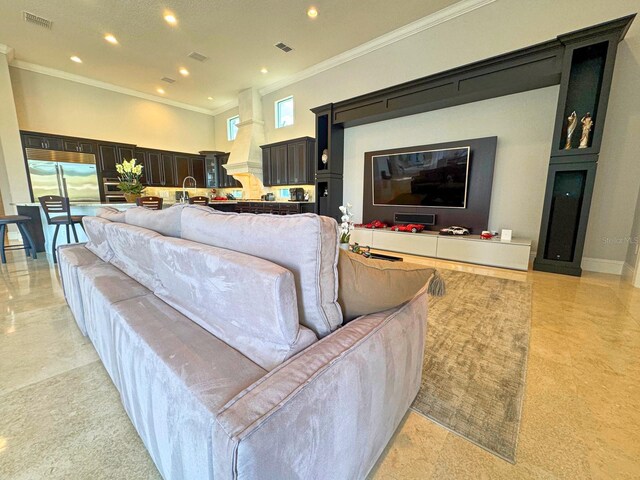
[198, 56]
[285, 48]
[168, 80]
[36, 20]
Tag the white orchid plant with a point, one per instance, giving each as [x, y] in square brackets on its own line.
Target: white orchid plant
[347, 223]
[129, 175]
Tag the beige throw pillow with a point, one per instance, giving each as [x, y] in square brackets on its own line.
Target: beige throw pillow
[370, 286]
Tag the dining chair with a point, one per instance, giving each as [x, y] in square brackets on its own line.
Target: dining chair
[199, 200]
[60, 208]
[152, 203]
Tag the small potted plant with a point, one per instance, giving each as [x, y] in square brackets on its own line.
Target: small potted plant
[129, 175]
[346, 226]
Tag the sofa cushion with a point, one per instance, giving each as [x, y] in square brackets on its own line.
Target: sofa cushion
[370, 286]
[94, 227]
[103, 285]
[132, 253]
[165, 222]
[70, 258]
[112, 214]
[247, 302]
[306, 244]
[174, 377]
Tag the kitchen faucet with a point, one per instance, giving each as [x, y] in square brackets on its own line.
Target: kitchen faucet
[184, 188]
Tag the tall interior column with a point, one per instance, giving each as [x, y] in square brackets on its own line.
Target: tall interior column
[13, 176]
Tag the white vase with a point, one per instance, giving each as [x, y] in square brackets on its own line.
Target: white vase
[344, 246]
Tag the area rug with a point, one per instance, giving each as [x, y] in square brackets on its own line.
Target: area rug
[476, 350]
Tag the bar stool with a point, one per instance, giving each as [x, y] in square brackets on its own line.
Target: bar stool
[55, 204]
[152, 203]
[27, 242]
[199, 200]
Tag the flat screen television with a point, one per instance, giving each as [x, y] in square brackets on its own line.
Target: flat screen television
[428, 178]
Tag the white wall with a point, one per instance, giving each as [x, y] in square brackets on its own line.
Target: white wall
[497, 28]
[220, 127]
[54, 105]
[522, 152]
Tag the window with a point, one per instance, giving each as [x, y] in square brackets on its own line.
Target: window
[284, 112]
[232, 127]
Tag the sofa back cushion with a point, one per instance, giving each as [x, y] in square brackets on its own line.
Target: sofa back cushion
[131, 248]
[245, 301]
[306, 245]
[112, 214]
[95, 228]
[166, 221]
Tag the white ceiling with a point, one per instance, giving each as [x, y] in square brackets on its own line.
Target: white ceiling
[238, 36]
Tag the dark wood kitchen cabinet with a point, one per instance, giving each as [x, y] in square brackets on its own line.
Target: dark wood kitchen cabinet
[183, 168]
[81, 146]
[153, 168]
[46, 142]
[289, 162]
[169, 178]
[198, 172]
[110, 154]
[224, 179]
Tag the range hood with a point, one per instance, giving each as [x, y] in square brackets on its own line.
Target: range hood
[245, 159]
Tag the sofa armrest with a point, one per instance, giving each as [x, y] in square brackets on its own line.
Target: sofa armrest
[329, 411]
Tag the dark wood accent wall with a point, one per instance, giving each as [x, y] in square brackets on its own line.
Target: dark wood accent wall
[581, 62]
[480, 182]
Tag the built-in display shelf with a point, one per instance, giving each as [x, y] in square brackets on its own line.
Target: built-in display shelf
[468, 248]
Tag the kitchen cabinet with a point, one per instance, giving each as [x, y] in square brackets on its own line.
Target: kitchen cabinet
[169, 178]
[289, 162]
[198, 172]
[225, 180]
[183, 168]
[34, 140]
[110, 154]
[300, 163]
[72, 145]
[153, 169]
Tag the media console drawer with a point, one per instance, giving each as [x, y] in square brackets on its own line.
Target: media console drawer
[469, 248]
[413, 243]
[485, 252]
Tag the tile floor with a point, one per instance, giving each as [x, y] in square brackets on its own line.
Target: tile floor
[60, 416]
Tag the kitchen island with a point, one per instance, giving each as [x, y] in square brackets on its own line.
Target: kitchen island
[42, 233]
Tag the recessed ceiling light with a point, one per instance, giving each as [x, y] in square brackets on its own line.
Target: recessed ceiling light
[264, 70]
[170, 18]
[312, 12]
[111, 39]
[209, 98]
[160, 91]
[76, 59]
[184, 72]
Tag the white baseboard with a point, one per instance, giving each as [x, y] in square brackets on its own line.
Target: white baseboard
[602, 265]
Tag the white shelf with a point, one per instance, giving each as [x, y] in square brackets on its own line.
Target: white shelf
[468, 248]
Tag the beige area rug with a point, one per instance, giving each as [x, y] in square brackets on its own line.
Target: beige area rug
[475, 361]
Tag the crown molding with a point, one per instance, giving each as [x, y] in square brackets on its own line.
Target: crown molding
[52, 72]
[225, 107]
[449, 13]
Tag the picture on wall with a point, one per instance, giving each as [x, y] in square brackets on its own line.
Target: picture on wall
[428, 178]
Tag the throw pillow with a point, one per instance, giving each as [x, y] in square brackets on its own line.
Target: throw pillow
[369, 286]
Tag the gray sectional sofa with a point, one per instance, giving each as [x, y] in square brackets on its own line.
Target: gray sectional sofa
[222, 333]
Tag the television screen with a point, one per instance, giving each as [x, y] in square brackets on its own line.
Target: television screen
[430, 178]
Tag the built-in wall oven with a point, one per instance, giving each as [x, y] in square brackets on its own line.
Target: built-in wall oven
[111, 192]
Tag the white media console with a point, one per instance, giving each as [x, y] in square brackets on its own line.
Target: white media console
[468, 248]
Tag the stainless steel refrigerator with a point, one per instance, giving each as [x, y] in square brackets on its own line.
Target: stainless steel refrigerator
[68, 174]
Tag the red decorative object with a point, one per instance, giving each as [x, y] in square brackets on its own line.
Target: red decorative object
[219, 198]
[411, 227]
[376, 224]
[486, 235]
